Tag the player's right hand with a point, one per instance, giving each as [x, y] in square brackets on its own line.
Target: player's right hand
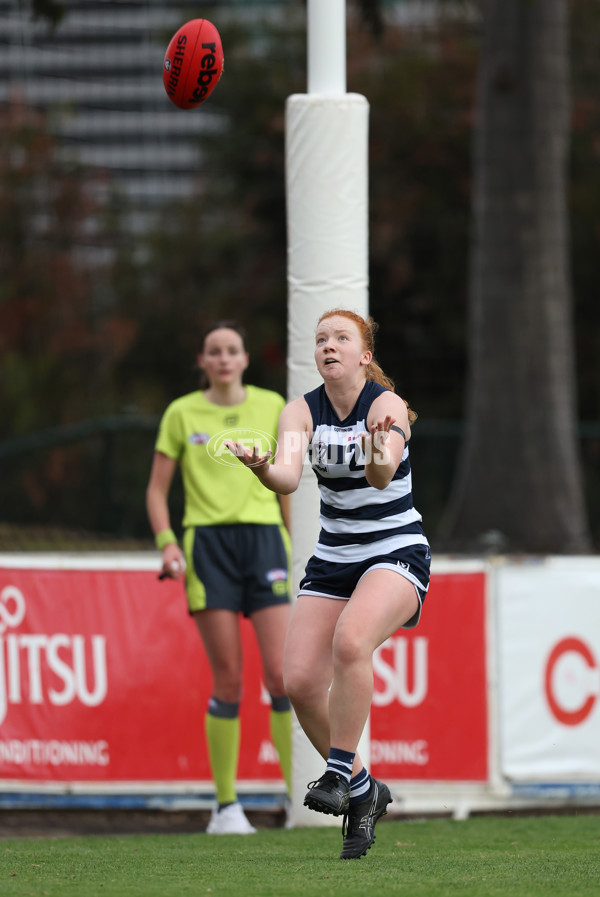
[250, 458]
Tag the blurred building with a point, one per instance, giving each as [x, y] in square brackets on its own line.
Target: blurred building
[98, 73]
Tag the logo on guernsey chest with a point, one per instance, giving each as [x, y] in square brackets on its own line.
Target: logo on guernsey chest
[336, 455]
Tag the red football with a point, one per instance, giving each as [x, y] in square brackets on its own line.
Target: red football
[193, 63]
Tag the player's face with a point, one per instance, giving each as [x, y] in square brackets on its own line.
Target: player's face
[223, 358]
[339, 350]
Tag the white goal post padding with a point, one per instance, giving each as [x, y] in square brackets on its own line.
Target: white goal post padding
[327, 217]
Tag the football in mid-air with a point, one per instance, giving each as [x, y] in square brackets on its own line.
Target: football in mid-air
[193, 63]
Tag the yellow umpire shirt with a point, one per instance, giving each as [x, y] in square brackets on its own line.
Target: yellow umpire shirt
[218, 488]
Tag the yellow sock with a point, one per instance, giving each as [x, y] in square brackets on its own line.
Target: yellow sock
[281, 733]
[223, 739]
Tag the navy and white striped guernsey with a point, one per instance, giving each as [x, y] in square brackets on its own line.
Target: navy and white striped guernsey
[357, 520]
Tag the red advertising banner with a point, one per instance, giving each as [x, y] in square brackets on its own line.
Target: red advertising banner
[103, 678]
[429, 719]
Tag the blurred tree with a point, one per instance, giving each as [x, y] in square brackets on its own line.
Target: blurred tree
[372, 14]
[584, 200]
[52, 343]
[58, 348]
[518, 484]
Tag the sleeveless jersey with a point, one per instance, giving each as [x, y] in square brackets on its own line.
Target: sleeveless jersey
[357, 520]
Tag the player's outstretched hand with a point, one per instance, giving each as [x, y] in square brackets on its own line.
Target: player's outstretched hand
[248, 457]
[374, 442]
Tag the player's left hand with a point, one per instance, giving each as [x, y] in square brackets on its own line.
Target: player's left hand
[375, 441]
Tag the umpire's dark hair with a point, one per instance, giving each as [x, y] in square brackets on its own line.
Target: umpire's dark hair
[220, 325]
[224, 325]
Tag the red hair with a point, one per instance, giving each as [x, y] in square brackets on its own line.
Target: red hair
[367, 328]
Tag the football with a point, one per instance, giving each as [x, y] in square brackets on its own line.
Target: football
[193, 63]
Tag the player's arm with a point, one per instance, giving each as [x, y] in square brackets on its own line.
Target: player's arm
[157, 507]
[383, 445]
[282, 475]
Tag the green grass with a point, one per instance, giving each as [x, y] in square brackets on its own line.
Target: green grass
[549, 856]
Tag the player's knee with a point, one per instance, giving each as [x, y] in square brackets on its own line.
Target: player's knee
[227, 684]
[299, 685]
[348, 647]
[274, 683]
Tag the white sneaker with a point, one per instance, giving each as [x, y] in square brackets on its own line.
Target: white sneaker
[231, 820]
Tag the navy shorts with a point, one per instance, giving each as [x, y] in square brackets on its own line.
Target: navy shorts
[338, 580]
[241, 567]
